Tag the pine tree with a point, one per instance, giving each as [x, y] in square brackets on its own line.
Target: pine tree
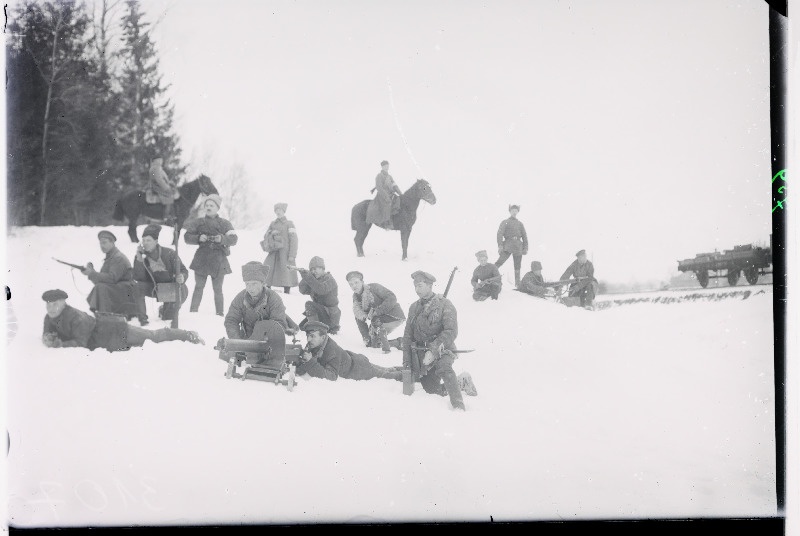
[145, 116]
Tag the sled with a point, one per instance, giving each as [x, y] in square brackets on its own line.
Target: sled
[266, 355]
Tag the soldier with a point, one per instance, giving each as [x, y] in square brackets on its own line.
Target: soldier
[377, 312]
[429, 340]
[214, 236]
[323, 358]
[280, 243]
[324, 292]
[155, 264]
[512, 240]
[533, 281]
[582, 270]
[66, 327]
[114, 290]
[161, 184]
[486, 278]
[379, 211]
[256, 302]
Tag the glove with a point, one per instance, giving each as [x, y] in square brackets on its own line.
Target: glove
[428, 359]
[218, 239]
[51, 340]
[290, 331]
[203, 238]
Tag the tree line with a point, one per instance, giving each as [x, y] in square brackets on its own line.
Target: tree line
[86, 110]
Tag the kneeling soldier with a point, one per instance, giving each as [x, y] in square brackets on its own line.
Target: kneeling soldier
[67, 327]
[486, 278]
[377, 304]
[155, 264]
[324, 358]
[428, 343]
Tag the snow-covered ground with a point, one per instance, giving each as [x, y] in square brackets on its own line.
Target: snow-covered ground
[637, 411]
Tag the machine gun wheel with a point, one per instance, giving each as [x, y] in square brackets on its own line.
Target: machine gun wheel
[702, 278]
[733, 277]
[751, 274]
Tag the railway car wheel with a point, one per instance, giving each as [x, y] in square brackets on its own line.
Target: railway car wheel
[702, 278]
[751, 274]
[733, 277]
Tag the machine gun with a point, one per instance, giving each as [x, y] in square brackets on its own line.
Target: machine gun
[266, 354]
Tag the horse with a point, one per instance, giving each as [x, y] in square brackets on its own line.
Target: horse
[133, 204]
[402, 221]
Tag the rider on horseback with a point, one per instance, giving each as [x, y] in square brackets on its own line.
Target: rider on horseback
[163, 187]
[380, 209]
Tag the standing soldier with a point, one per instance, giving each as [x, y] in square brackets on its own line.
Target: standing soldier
[280, 243]
[155, 264]
[324, 292]
[214, 236]
[114, 290]
[582, 270]
[163, 187]
[512, 240]
[379, 211]
[486, 278]
[377, 312]
[429, 341]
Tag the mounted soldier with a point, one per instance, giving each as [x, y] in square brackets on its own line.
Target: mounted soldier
[160, 189]
[387, 200]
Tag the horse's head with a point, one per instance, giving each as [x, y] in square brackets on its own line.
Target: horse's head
[206, 186]
[424, 191]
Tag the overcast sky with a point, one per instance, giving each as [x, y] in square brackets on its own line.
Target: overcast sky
[636, 130]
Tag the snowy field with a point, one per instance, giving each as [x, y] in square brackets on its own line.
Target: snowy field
[637, 411]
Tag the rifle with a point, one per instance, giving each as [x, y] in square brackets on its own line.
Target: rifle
[76, 266]
[485, 282]
[450, 281]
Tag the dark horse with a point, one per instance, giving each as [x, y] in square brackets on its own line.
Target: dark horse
[403, 221]
[132, 204]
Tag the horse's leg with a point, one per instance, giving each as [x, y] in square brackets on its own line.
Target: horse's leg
[132, 219]
[361, 236]
[405, 232]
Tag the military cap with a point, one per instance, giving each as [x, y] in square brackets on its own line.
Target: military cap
[581, 252]
[353, 274]
[424, 276]
[513, 206]
[385, 163]
[53, 295]
[282, 206]
[106, 234]
[482, 253]
[316, 262]
[255, 271]
[314, 325]
[536, 265]
[152, 230]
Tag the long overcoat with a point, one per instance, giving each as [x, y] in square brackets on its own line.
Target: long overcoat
[280, 243]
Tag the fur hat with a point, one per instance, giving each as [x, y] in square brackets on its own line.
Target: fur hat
[384, 163]
[215, 198]
[355, 274]
[481, 253]
[419, 275]
[536, 265]
[314, 325]
[53, 295]
[255, 271]
[106, 234]
[581, 252]
[282, 206]
[513, 206]
[316, 262]
[152, 230]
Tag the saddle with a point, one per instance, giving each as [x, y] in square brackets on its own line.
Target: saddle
[153, 197]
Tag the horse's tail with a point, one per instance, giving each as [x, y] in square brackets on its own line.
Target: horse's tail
[119, 213]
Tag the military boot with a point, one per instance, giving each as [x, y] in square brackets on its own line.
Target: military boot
[384, 340]
[516, 278]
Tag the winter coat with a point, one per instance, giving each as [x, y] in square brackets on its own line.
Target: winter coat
[78, 329]
[578, 271]
[324, 292]
[161, 263]
[161, 185]
[245, 311]
[532, 284]
[280, 242]
[487, 271]
[114, 290]
[380, 209]
[211, 258]
[511, 237]
[330, 362]
[430, 323]
[378, 299]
